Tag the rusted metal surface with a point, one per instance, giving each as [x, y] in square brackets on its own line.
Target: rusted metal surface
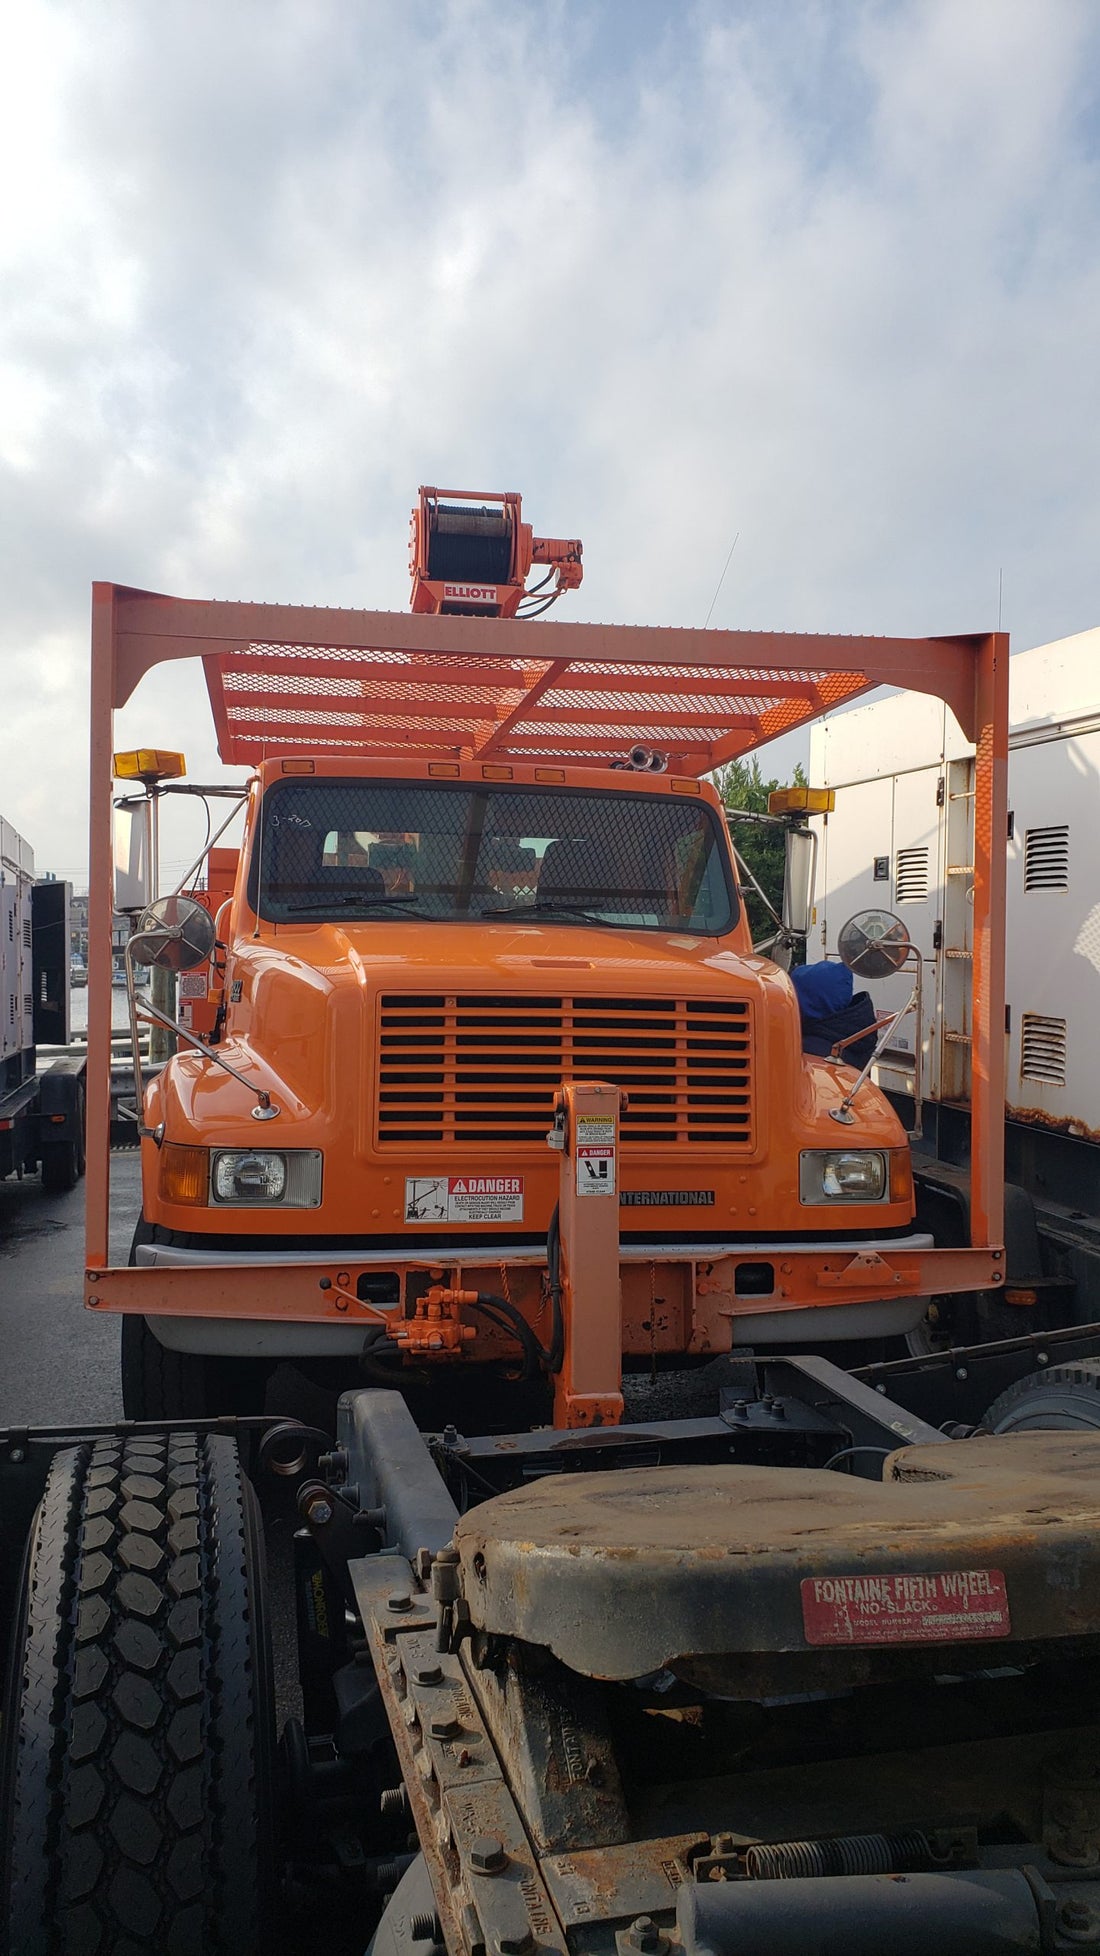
[552, 1728]
[621, 1575]
[489, 1890]
[1066, 1124]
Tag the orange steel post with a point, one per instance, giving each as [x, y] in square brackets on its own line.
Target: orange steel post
[987, 1026]
[588, 1390]
[100, 913]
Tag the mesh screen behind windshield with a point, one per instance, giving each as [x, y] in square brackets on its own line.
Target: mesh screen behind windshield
[338, 848]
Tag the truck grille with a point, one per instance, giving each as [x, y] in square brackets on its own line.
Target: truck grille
[473, 1068]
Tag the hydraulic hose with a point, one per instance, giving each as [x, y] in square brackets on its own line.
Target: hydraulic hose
[555, 1356]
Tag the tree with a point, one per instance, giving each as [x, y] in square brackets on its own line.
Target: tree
[741, 784]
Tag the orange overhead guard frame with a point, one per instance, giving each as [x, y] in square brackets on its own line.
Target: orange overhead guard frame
[286, 680]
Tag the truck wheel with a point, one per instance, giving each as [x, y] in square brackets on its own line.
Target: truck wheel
[1064, 1397]
[161, 1384]
[137, 1724]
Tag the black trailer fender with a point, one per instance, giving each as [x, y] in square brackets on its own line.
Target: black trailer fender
[61, 1106]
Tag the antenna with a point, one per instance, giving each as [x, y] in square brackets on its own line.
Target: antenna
[721, 580]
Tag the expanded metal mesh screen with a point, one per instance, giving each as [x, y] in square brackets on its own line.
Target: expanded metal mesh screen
[271, 698]
[372, 849]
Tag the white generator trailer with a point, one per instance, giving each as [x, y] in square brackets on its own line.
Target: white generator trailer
[901, 839]
[41, 1111]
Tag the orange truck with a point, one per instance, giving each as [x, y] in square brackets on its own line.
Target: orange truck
[480, 1074]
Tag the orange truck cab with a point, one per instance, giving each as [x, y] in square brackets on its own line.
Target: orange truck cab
[487, 1081]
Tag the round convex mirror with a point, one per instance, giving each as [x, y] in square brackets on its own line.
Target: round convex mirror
[873, 944]
[175, 932]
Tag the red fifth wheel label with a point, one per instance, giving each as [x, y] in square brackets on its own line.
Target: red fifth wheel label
[595, 1156]
[951, 1607]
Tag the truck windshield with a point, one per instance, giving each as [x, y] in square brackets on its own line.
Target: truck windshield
[399, 850]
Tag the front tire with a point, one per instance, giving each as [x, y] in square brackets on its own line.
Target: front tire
[137, 1727]
[161, 1384]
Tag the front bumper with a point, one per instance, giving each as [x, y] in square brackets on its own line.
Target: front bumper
[271, 1302]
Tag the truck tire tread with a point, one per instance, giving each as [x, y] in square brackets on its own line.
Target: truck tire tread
[1057, 1390]
[137, 1725]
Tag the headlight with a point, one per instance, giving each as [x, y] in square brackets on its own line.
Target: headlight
[266, 1178]
[841, 1177]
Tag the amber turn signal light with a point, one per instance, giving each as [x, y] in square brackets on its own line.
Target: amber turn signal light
[901, 1175]
[184, 1174]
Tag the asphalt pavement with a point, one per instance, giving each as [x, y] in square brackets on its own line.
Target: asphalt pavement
[60, 1362]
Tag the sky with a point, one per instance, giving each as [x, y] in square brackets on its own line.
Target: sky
[818, 275]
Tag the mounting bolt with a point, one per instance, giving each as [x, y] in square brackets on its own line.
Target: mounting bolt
[427, 1673]
[1077, 1920]
[961, 1372]
[394, 1803]
[723, 1844]
[450, 1435]
[778, 1409]
[644, 1935]
[487, 1855]
[444, 1725]
[425, 1926]
[399, 1601]
[318, 1510]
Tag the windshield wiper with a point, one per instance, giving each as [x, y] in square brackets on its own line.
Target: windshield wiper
[347, 899]
[550, 907]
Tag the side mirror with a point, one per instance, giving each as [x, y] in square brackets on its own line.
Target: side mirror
[874, 944]
[175, 933]
[800, 847]
[131, 837]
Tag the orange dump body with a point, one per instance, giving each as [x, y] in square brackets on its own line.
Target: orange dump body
[419, 958]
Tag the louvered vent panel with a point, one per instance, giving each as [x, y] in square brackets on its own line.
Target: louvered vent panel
[911, 876]
[487, 1068]
[1046, 858]
[26, 933]
[1043, 1049]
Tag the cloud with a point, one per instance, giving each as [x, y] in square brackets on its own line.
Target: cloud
[822, 276]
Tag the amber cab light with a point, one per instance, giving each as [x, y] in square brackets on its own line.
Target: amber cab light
[801, 801]
[448, 769]
[901, 1175]
[184, 1174]
[299, 767]
[148, 764]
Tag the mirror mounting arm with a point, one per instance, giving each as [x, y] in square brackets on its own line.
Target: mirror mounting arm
[265, 1108]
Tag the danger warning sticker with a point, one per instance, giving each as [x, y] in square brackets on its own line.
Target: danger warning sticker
[595, 1171]
[464, 1198]
[949, 1608]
